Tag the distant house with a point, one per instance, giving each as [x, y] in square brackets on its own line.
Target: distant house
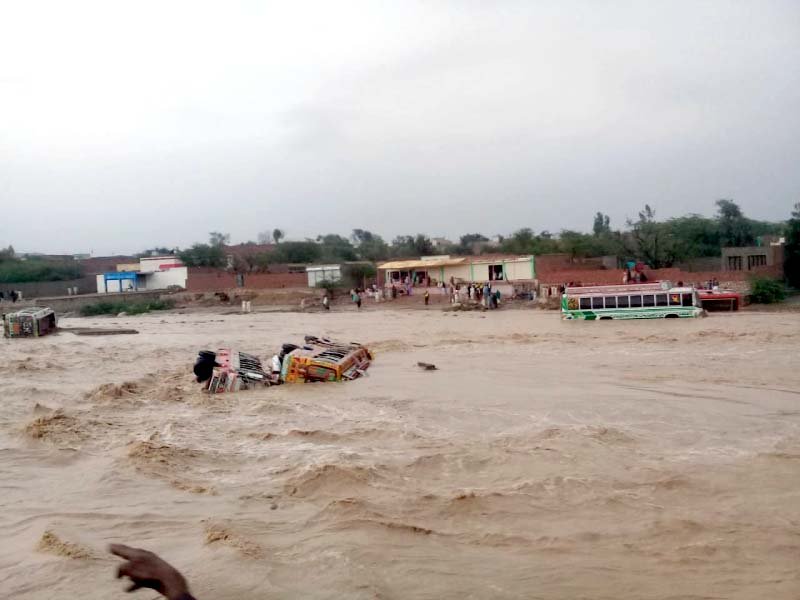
[150, 273]
[750, 258]
[337, 273]
[495, 268]
[440, 243]
[321, 273]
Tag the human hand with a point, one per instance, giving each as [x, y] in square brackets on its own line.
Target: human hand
[146, 570]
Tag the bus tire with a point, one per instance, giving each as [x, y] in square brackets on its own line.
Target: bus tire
[671, 316]
[605, 318]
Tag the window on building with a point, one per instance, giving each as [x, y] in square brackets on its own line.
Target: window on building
[611, 302]
[586, 303]
[648, 300]
[734, 263]
[496, 273]
[623, 302]
[661, 300]
[636, 301]
[756, 260]
[597, 302]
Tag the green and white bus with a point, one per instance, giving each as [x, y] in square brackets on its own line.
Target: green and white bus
[633, 301]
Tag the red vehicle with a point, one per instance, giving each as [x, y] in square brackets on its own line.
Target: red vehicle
[720, 300]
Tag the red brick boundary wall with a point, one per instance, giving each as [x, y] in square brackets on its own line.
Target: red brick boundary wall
[202, 279]
[736, 279]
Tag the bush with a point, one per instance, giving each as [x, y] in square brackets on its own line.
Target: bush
[107, 307]
[766, 291]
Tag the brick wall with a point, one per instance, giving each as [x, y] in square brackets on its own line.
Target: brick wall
[260, 281]
[548, 263]
[614, 277]
[202, 279]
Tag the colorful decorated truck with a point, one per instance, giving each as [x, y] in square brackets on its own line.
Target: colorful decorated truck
[34, 321]
[318, 359]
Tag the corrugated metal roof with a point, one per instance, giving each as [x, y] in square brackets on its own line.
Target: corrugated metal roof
[450, 262]
[404, 265]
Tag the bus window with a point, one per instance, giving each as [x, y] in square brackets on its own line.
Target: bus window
[636, 301]
[586, 303]
[661, 300]
[611, 301]
[648, 300]
[687, 299]
[597, 302]
[622, 302]
[674, 299]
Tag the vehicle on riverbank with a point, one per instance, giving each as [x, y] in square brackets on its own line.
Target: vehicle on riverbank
[630, 301]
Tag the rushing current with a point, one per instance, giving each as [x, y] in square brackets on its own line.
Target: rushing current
[542, 459]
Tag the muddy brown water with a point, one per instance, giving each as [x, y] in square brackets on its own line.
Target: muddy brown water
[542, 459]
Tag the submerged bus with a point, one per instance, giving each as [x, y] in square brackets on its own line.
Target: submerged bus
[630, 301]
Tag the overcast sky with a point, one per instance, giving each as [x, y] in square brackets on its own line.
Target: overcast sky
[125, 125]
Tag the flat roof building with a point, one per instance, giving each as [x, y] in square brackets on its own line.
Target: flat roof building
[431, 270]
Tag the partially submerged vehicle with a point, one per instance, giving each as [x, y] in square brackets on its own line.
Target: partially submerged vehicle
[630, 301]
[34, 321]
[720, 300]
[318, 359]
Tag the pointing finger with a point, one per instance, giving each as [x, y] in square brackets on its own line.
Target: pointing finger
[123, 551]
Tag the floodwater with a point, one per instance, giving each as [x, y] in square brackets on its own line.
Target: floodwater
[543, 459]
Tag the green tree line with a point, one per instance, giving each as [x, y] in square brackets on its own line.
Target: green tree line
[657, 243]
[14, 269]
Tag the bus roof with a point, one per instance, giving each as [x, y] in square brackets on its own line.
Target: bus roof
[632, 288]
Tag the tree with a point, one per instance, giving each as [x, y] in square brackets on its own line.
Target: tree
[791, 264]
[336, 248]
[7, 253]
[576, 244]
[357, 275]
[370, 246]
[407, 245]
[203, 255]
[470, 238]
[297, 252]
[215, 238]
[423, 245]
[525, 241]
[695, 236]
[602, 224]
[157, 251]
[265, 237]
[651, 241]
[361, 236]
[734, 228]
[278, 235]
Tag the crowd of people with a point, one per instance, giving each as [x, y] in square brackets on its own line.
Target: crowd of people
[456, 292]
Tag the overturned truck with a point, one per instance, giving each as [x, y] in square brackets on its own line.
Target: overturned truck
[319, 359]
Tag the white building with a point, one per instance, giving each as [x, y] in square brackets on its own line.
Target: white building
[151, 273]
[503, 271]
[319, 273]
